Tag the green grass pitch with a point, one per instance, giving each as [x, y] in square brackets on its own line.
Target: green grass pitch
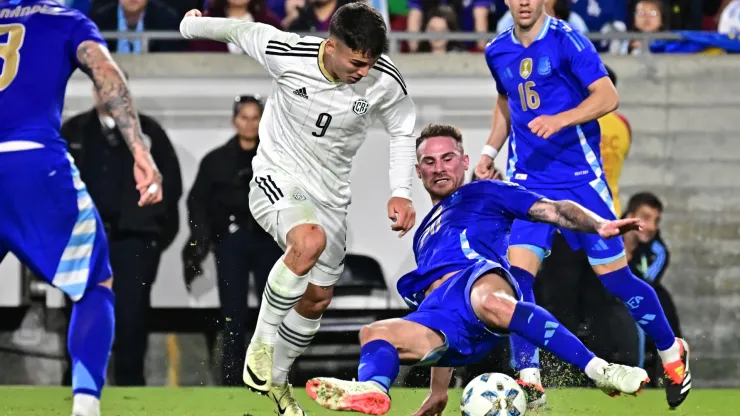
[162, 401]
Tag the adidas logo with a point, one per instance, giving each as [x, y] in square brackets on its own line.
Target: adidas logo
[301, 92]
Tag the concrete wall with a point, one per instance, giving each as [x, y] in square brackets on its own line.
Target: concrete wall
[683, 111]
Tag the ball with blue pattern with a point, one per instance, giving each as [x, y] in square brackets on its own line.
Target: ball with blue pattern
[493, 394]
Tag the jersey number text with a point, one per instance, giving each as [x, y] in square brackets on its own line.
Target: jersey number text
[323, 123]
[528, 96]
[10, 52]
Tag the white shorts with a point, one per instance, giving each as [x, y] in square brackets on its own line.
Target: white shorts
[279, 203]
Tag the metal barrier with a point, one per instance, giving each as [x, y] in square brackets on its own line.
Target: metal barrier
[396, 38]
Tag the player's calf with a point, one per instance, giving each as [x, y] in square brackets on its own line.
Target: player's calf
[305, 243]
[90, 340]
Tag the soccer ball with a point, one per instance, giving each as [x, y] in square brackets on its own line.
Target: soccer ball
[493, 394]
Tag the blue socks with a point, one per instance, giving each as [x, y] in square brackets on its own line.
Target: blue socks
[90, 340]
[379, 362]
[539, 327]
[523, 353]
[642, 303]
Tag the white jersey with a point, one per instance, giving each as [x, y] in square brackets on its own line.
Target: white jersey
[313, 126]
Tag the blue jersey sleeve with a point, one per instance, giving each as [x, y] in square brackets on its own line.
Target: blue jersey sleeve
[512, 199]
[489, 60]
[582, 58]
[83, 30]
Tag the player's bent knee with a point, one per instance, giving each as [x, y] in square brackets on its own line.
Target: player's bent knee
[372, 332]
[307, 241]
[495, 309]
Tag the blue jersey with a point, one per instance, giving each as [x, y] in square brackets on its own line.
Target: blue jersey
[38, 47]
[471, 225]
[550, 76]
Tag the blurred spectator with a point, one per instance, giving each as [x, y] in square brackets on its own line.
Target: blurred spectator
[137, 236]
[472, 17]
[136, 16]
[248, 10]
[648, 19]
[557, 8]
[220, 221]
[616, 140]
[712, 10]
[315, 15]
[603, 16]
[729, 21]
[441, 19]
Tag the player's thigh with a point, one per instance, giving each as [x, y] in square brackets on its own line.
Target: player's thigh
[51, 224]
[602, 253]
[412, 339]
[331, 261]
[493, 298]
[278, 203]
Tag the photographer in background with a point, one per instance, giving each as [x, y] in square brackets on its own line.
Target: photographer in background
[137, 236]
[220, 221]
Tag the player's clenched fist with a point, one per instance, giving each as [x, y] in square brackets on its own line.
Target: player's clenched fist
[194, 13]
[546, 126]
[484, 169]
[401, 212]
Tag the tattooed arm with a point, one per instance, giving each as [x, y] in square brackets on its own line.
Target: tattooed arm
[566, 214]
[95, 60]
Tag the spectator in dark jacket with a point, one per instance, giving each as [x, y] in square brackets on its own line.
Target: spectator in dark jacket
[137, 236]
[220, 221]
[316, 15]
[135, 16]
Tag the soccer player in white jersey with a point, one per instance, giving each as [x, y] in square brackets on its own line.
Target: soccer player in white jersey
[326, 95]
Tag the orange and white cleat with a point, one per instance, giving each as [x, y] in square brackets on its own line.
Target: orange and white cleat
[359, 396]
[678, 377]
[617, 379]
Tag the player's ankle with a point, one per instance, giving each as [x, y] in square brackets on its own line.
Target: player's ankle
[595, 368]
[378, 385]
[85, 405]
[672, 354]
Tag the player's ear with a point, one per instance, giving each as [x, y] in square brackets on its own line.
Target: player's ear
[330, 46]
[418, 171]
[466, 161]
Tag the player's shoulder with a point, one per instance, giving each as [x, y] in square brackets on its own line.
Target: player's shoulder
[287, 46]
[500, 43]
[487, 186]
[388, 75]
[562, 33]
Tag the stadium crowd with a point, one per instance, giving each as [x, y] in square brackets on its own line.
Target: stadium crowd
[600, 16]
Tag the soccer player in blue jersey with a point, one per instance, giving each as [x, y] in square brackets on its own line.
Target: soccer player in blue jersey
[463, 298]
[47, 219]
[552, 88]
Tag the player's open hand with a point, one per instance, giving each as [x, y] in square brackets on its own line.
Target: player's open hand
[618, 227]
[433, 405]
[194, 13]
[484, 169]
[401, 212]
[148, 179]
[546, 126]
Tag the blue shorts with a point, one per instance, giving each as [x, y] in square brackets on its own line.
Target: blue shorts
[448, 310]
[594, 196]
[49, 222]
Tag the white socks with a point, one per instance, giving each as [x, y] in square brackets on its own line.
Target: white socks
[672, 354]
[283, 290]
[294, 336]
[594, 369]
[85, 405]
[531, 376]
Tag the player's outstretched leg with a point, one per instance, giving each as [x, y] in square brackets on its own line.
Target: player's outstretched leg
[525, 356]
[645, 308]
[285, 286]
[494, 306]
[89, 341]
[378, 368]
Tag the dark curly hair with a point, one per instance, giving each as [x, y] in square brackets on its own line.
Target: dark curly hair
[361, 28]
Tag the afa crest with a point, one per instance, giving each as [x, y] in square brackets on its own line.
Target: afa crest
[543, 66]
[360, 107]
[525, 68]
